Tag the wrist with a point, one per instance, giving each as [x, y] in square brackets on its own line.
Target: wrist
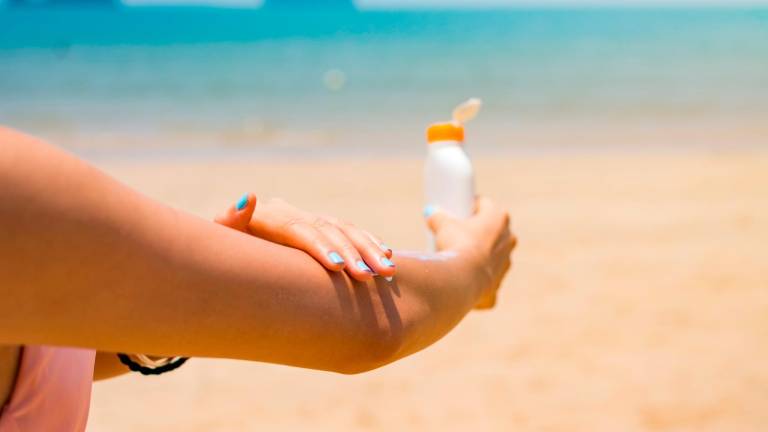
[473, 269]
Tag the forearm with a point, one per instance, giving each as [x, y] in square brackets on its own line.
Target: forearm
[401, 318]
[108, 366]
[87, 262]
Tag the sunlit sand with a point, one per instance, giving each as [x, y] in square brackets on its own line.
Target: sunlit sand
[639, 301]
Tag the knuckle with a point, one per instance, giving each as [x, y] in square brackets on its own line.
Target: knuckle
[332, 220]
[294, 225]
[319, 223]
[501, 226]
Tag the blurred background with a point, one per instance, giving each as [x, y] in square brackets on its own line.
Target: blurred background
[628, 139]
[332, 76]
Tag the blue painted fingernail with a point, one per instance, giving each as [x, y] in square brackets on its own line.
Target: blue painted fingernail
[429, 210]
[387, 262]
[364, 267]
[336, 258]
[242, 203]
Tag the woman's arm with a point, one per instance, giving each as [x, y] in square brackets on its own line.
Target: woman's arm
[86, 261]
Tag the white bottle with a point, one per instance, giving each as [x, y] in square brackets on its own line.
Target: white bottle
[449, 179]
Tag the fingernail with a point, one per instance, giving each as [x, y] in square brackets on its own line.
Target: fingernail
[387, 262]
[364, 267]
[336, 258]
[429, 210]
[242, 203]
[389, 278]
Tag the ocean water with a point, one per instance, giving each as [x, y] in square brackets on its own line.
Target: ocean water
[228, 81]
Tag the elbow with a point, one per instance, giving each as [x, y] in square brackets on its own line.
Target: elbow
[373, 350]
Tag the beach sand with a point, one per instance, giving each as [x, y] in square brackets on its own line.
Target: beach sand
[638, 302]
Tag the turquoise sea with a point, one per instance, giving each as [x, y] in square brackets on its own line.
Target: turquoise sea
[153, 80]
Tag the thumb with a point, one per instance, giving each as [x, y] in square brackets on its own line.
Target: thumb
[238, 215]
[436, 218]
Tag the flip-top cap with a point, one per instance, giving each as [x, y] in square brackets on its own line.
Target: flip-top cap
[450, 131]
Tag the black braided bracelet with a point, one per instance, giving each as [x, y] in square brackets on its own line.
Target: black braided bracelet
[144, 370]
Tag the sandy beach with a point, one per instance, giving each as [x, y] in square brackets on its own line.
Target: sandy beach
[628, 139]
[638, 302]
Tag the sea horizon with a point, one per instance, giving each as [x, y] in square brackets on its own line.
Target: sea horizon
[218, 81]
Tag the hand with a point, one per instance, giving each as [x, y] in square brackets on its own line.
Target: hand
[336, 245]
[484, 239]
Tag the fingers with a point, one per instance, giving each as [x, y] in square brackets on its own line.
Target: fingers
[511, 242]
[336, 245]
[497, 217]
[370, 250]
[384, 248]
[306, 237]
[356, 266]
[239, 214]
[330, 246]
[489, 301]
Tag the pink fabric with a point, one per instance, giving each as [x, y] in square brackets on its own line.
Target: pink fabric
[52, 391]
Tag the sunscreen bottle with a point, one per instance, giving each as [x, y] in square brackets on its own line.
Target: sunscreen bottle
[449, 179]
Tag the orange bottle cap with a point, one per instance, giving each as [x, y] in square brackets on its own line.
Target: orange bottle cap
[445, 132]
